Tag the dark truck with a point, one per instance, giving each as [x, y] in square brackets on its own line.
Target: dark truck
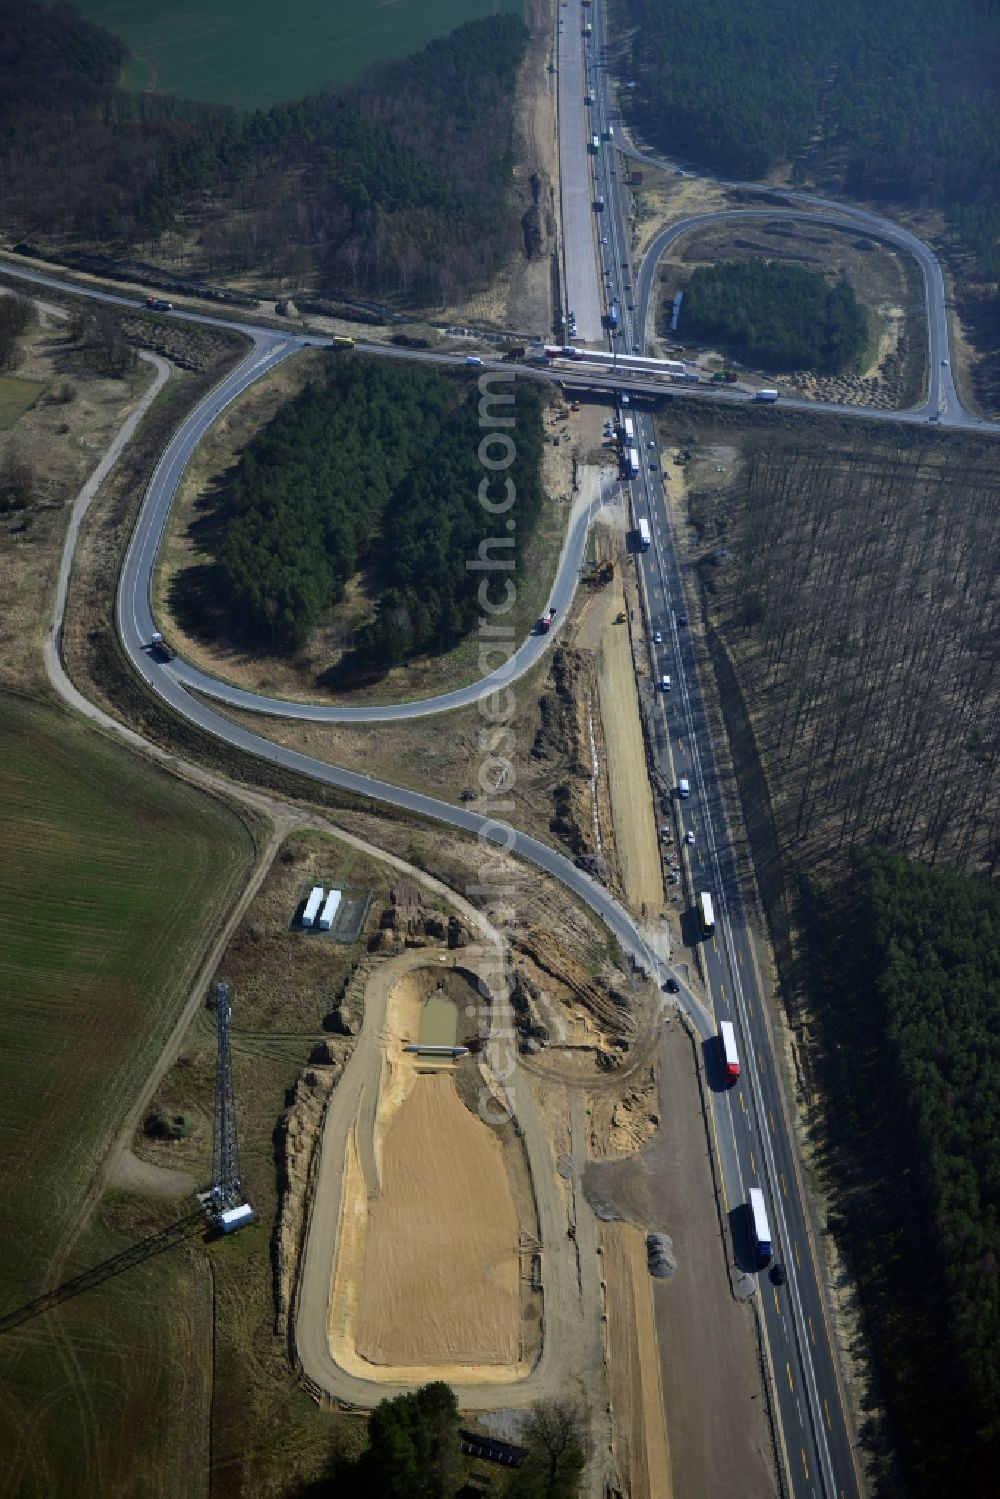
[160, 647]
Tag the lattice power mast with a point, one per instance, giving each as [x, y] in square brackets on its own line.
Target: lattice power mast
[227, 1191]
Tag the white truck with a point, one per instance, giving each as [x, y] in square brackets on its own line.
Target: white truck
[766, 395]
[730, 1056]
[759, 1226]
[645, 539]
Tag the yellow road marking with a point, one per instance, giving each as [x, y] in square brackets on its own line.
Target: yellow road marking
[753, 1164]
[739, 956]
[795, 1251]
[777, 1305]
[743, 1103]
[826, 1412]
[770, 1115]
[722, 991]
[812, 1335]
[805, 1465]
[788, 1371]
[784, 1188]
[760, 1062]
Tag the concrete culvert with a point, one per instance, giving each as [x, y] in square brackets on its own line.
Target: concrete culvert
[660, 1255]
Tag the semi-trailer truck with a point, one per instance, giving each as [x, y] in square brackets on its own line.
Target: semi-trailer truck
[730, 1056]
[631, 464]
[766, 395]
[645, 539]
[706, 914]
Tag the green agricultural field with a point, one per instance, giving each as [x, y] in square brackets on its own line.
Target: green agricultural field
[250, 52]
[16, 397]
[113, 879]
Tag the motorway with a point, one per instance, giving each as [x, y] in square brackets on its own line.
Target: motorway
[754, 1144]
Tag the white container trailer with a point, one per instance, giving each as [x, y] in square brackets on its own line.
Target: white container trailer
[759, 1225]
[312, 905]
[330, 908]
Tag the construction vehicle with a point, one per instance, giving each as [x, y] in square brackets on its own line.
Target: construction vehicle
[602, 572]
[620, 617]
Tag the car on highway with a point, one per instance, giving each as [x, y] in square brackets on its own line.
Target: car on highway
[944, 364]
[474, 360]
[657, 637]
[778, 1275]
[630, 306]
[689, 836]
[665, 683]
[672, 986]
[159, 304]
[651, 443]
[682, 619]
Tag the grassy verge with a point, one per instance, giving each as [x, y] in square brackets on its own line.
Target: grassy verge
[266, 1433]
[114, 879]
[16, 397]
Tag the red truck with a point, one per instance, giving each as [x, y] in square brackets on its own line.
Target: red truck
[545, 623]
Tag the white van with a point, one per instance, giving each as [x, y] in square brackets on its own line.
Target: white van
[474, 359]
[664, 683]
[683, 787]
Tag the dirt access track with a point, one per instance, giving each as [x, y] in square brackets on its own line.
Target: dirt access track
[435, 1238]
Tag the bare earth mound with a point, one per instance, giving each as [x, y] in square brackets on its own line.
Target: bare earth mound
[443, 1232]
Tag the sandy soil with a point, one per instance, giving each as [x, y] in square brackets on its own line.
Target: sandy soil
[441, 1265]
[631, 798]
[428, 1273]
[706, 1340]
[639, 1435]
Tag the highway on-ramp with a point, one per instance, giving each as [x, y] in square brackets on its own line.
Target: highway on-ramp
[750, 1126]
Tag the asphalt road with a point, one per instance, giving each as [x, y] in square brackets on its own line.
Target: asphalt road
[754, 1143]
[576, 191]
[753, 1140]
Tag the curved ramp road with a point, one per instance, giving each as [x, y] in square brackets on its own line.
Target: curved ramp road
[942, 398]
